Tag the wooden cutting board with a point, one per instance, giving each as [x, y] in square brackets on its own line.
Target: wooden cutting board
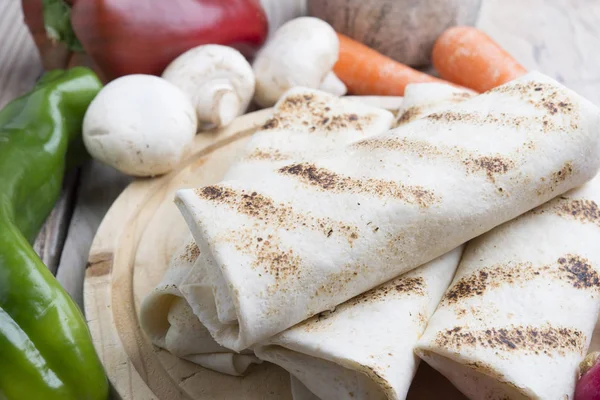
[127, 259]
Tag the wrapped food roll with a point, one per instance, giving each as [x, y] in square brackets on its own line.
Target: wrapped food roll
[310, 235]
[519, 315]
[170, 323]
[364, 348]
[303, 121]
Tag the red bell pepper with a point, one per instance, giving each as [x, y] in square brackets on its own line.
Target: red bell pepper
[130, 36]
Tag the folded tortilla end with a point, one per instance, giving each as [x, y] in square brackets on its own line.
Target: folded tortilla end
[476, 380]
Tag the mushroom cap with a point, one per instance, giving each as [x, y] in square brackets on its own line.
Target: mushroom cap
[301, 53]
[141, 125]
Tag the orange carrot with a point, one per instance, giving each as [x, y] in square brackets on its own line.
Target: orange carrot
[366, 72]
[468, 57]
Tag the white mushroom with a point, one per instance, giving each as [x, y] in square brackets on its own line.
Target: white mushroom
[301, 53]
[218, 80]
[141, 125]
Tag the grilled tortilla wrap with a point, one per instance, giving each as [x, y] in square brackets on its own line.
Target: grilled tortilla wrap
[519, 315]
[170, 323]
[364, 349]
[297, 127]
[310, 235]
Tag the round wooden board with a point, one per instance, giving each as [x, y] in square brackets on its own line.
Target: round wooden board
[129, 254]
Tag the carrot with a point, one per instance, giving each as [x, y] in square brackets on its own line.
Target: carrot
[366, 72]
[468, 57]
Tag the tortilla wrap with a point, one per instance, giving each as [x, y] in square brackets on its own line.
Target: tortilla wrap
[170, 323]
[364, 348]
[519, 315]
[165, 315]
[310, 235]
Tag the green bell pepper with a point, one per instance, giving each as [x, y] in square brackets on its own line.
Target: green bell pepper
[46, 351]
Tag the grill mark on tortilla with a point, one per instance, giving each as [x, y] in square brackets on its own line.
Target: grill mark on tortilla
[543, 96]
[570, 268]
[579, 272]
[491, 165]
[336, 281]
[403, 285]
[474, 312]
[525, 339]
[550, 183]
[269, 256]
[266, 212]
[330, 181]
[544, 123]
[582, 210]
[190, 253]
[271, 123]
[555, 102]
[309, 112]
[397, 114]
[503, 119]
[268, 154]
[415, 112]
[457, 97]
[410, 114]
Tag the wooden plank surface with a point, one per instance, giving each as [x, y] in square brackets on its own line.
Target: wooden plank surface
[20, 66]
[99, 186]
[19, 61]
[49, 242]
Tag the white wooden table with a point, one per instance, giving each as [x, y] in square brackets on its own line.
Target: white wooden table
[560, 38]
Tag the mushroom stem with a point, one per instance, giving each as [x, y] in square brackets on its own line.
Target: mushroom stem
[217, 102]
[218, 81]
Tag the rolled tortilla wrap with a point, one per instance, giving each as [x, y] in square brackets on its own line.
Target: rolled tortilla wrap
[196, 292]
[364, 348]
[197, 278]
[170, 323]
[519, 315]
[310, 235]
[297, 127]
